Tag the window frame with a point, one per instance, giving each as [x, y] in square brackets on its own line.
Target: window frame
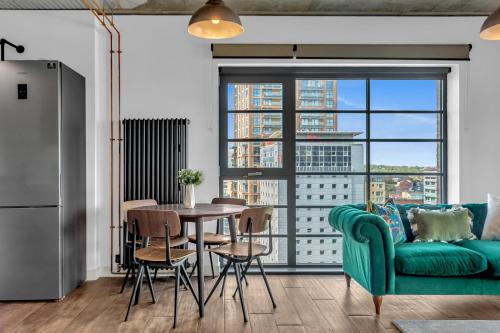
[287, 76]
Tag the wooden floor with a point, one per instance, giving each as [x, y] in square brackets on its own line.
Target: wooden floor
[305, 304]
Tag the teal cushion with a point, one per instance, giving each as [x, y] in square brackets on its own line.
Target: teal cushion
[479, 211]
[437, 259]
[489, 249]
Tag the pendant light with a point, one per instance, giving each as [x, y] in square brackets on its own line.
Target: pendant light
[491, 27]
[215, 21]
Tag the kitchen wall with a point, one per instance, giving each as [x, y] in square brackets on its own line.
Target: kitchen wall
[167, 73]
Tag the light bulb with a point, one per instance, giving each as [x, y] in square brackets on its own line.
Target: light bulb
[215, 21]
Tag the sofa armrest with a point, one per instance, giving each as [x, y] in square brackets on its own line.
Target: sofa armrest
[368, 249]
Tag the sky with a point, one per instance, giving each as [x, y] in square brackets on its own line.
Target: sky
[388, 95]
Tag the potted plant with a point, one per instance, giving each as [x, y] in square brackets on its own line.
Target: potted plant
[189, 178]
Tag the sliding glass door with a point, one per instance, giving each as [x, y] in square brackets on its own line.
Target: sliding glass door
[307, 139]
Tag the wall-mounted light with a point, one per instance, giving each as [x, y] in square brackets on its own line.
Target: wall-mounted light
[490, 29]
[215, 21]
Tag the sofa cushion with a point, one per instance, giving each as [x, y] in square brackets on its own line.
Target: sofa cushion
[390, 214]
[437, 259]
[403, 211]
[489, 249]
[479, 211]
[448, 225]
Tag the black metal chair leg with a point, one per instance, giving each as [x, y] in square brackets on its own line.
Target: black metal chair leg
[150, 284]
[125, 280]
[194, 268]
[156, 273]
[223, 286]
[238, 266]
[133, 272]
[177, 280]
[243, 274]
[224, 273]
[184, 276]
[211, 262]
[183, 280]
[134, 290]
[265, 281]
[138, 291]
[240, 289]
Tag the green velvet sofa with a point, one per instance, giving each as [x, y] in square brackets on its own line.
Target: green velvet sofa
[382, 268]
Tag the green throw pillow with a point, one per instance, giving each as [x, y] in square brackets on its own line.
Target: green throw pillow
[389, 212]
[449, 225]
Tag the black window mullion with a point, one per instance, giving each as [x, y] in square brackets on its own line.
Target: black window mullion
[444, 145]
[368, 143]
[291, 134]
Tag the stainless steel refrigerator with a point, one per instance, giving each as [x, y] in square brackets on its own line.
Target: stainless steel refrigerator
[42, 180]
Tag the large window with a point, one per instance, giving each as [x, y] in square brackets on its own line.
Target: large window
[307, 139]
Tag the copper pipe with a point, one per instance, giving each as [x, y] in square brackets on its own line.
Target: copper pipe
[120, 139]
[111, 168]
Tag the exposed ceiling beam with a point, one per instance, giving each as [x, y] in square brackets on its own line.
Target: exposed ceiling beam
[278, 7]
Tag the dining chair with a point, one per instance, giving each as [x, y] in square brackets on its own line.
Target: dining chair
[149, 224]
[252, 221]
[218, 238]
[175, 240]
[127, 234]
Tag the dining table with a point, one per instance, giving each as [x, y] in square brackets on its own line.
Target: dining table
[201, 213]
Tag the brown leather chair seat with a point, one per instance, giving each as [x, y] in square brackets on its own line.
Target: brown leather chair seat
[174, 242]
[156, 254]
[211, 238]
[240, 249]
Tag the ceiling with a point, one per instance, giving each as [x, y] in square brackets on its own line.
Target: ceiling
[279, 7]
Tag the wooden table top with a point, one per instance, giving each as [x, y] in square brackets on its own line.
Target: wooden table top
[200, 210]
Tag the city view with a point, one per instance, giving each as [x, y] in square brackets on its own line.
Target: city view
[315, 192]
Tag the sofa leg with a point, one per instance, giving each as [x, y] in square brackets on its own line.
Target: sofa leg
[377, 300]
[347, 280]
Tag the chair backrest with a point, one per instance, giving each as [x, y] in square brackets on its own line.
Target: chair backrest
[151, 222]
[127, 205]
[260, 217]
[229, 201]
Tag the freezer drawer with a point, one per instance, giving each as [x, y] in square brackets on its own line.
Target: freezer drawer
[30, 254]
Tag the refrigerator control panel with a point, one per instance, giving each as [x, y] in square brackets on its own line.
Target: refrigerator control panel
[22, 91]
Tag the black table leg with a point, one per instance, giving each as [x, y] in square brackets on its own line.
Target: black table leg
[200, 249]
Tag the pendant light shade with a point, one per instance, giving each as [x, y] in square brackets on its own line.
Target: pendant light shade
[215, 21]
[491, 27]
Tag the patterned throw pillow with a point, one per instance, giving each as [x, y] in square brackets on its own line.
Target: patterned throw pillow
[389, 212]
[447, 225]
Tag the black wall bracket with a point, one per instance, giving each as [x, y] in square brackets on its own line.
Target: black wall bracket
[3, 42]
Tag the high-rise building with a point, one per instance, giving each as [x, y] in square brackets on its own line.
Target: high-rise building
[325, 190]
[316, 95]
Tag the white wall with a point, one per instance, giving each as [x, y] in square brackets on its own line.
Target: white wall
[67, 36]
[167, 73]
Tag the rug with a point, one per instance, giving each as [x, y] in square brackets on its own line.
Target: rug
[448, 326]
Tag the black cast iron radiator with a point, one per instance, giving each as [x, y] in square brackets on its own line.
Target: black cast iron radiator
[154, 151]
